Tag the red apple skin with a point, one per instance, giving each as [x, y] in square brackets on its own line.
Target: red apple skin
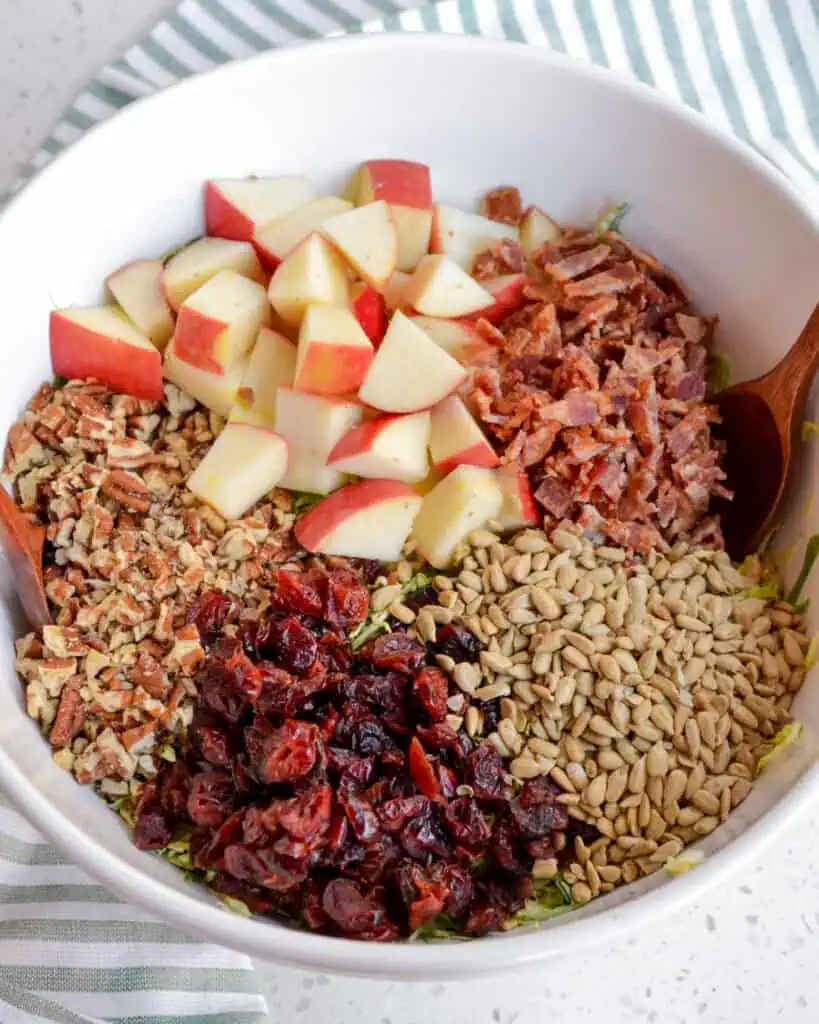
[370, 310]
[478, 455]
[322, 518]
[514, 481]
[361, 438]
[223, 219]
[507, 292]
[333, 369]
[194, 339]
[400, 182]
[77, 353]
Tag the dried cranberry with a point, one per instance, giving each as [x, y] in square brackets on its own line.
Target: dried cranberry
[447, 780]
[312, 912]
[490, 710]
[334, 652]
[210, 854]
[362, 732]
[351, 909]
[259, 867]
[351, 766]
[421, 770]
[424, 837]
[307, 816]
[507, 852]
[290, 752]
[293, 645]
[458, 643]
[535, 812]
[398, 652]
[255, 831]
[431, 689]
[424, 596]
[346, 599]
[441, 736]
[297, 592]
[378, 858]
[361, 816]
[215, 695]
[172, 787]
[240, 675]
[209, 615]
[211, 798]
[256, 900]
[467, 822]
[152, 830]
[461, 889]
[395, 813]
[484, 772]
[212, 740]
[424, 894]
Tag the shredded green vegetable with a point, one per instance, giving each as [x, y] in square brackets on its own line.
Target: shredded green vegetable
[440, 928]
[303, 501]
[175, 249]
[767, 591]
[683, 862]
[718, 372]
[550, 899]
[786, 737]
[58, 381]
[811, 554]
[236, 905]
[809, 428]
[377, 623]
[611, 218]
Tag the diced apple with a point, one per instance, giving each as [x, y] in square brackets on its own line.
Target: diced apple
[456, 439]
[314, 422]
[518, 508]
[279, 238]
[100, 342]
[536, 229]
[457, 337]
[432, 479]
[198, 262]
[367, 238]
[462, 502]
[461, 235]
[370, 310]
[387, 447]
[439, 287]
[216, 391]
[507, 293]
[369, 519]
[405, 186]
[220, 321]
[137, 288]
[307, 471]
[395, 291]
[272, 364]
[334, 353]
[409, 372]
[236, 208]
[241, 466]
[313, 273]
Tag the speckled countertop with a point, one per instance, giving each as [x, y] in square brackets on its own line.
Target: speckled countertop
[748, 955]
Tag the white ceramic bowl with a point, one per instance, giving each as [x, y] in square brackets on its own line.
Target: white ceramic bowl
[480, 114]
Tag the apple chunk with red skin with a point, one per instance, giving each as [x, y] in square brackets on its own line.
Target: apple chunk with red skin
[507, 294]
[240, 467]
[405, 186]
[272, 364]
[278, 239]
[387, 448]
[367, 239]
[461, 235]
[100, 342]
[457, 337]
[409, 371]
[313, 273]
[370, 310]
[369, 519]
[439, 287]
[216, 391]
[518, 508]
[462, 502]
[334, 353]
[536, 229]
[220, 321]
[237, 207]
[137, 288]
[456, 439]
[312, 425]
[198, 262]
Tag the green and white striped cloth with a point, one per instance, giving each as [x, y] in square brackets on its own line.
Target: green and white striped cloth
[71, 952]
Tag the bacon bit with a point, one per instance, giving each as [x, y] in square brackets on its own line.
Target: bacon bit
[554, 496]
[578, 263]
[504, 257]
[684, 435]
[593, 312]
[607, 282]
[502, 204]
[638, 536]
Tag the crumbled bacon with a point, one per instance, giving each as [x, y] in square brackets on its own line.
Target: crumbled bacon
[503, 204]
[596, 384]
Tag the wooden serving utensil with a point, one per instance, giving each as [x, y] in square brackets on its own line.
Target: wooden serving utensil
[761, 422]
[22, 543]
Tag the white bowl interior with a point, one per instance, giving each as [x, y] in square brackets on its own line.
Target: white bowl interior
[481, 114]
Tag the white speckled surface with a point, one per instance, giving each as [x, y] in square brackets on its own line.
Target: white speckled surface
[746, 956]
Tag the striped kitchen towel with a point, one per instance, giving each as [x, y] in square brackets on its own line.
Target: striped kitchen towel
[70, 951]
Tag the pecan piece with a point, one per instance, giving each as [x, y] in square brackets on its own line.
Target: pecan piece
[127, 489]
[71, 712]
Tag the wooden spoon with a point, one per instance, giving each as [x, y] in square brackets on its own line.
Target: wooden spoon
[761, 422]
[23, 543]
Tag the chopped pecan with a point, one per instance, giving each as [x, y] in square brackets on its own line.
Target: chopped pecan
[128, 489]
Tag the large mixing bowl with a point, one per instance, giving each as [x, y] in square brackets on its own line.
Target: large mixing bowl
[480, 114]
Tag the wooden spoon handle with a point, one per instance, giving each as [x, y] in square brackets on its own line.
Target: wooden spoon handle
[788, 383]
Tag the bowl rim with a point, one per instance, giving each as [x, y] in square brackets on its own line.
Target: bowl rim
[410, 961]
